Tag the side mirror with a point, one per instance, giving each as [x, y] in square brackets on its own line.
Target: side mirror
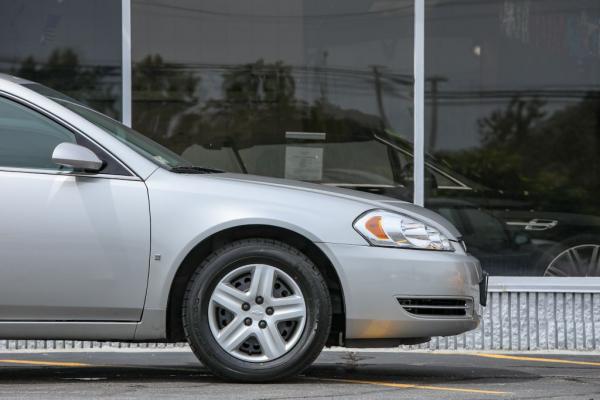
[77, 157]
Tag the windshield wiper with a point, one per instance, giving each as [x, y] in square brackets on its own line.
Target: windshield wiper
[192, 169]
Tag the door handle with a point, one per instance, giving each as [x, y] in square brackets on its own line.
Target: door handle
[536, 224]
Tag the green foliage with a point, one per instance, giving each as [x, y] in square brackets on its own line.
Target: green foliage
[64, 72]
[258, 105]
[156, 81]
[162, 95]
[553, 156]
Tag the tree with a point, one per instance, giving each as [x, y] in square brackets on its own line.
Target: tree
[555, 157]
[162, 92]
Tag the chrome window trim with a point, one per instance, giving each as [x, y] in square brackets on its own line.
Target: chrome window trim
[365, 185]
[70, 127]
[454, 187]
[460, 185]
[41, 171]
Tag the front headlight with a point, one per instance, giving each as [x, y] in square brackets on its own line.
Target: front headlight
[384, 228]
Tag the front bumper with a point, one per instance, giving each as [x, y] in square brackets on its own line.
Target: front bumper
[374, 278]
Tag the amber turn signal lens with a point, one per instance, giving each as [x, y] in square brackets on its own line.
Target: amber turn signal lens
[373, 225]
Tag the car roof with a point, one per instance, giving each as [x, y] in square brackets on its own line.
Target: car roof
[14, 79]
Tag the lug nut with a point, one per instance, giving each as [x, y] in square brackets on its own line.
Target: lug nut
[259, 300]
[262, 324]
[248, 321]
[269, 310]
[245, 306]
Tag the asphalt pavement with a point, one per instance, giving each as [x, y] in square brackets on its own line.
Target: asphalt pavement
[336, 374]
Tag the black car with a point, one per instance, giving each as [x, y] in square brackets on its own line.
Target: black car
[509, 232]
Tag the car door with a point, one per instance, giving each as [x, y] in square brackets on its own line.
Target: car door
[73, 246]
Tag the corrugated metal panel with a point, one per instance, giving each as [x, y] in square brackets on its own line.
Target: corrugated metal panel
[511, 321]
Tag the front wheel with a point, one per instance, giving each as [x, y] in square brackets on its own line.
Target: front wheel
[257, 310]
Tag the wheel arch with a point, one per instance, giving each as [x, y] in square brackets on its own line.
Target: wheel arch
[205, 247]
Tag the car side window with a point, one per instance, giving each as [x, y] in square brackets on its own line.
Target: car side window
[28, 138]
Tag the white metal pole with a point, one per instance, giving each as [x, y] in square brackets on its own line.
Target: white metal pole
[419, 104]
[126, 62]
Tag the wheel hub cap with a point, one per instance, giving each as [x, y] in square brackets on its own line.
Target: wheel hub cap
[269, 335]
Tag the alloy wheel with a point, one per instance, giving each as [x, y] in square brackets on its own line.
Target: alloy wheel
[581, 260]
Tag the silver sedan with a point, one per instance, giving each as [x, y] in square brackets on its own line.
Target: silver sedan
[106, 235]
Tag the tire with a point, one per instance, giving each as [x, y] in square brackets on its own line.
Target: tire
[205, 319]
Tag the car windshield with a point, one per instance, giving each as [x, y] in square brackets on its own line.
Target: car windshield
[138, 142]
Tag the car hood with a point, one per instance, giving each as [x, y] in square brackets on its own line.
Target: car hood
[374, 200]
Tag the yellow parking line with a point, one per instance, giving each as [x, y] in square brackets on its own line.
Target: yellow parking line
[537, 359]
[45, 363]
[413, 386]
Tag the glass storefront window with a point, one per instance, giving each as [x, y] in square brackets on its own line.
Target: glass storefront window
[300, 89]
[73, 46]
[323, 92]
[513, 104]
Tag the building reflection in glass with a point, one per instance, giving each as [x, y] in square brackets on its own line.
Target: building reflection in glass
[293, 89]
[513, 103]
[37, 43]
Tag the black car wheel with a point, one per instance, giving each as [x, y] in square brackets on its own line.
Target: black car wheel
[257, 310]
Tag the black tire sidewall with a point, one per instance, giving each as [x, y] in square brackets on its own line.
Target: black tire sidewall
[246, 252]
